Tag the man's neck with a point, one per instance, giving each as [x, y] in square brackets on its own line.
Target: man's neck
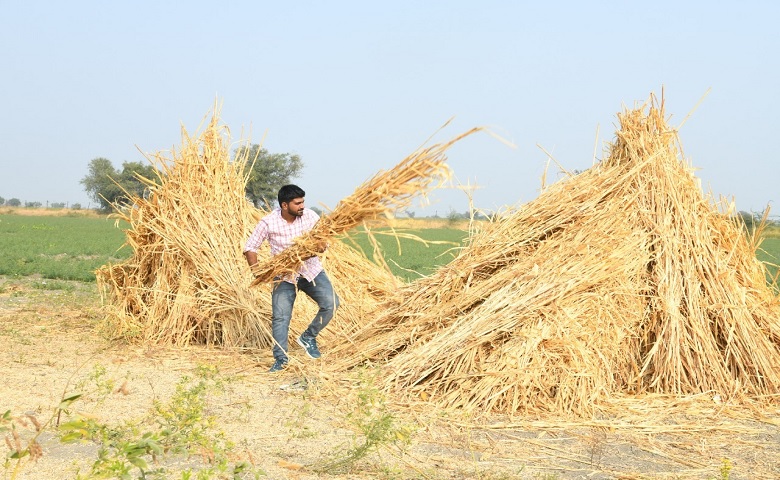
[288, 217]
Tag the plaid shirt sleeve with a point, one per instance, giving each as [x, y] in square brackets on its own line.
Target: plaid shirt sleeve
[259, 235]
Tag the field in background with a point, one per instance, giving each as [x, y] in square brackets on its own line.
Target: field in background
[71, 245]
[409, 257]
[59, 247]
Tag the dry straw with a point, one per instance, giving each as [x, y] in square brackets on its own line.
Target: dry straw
[183, 283]
[187, 281]
[380, 196]
[622, 280]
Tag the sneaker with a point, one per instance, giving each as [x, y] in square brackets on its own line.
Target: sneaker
[278, 366]
[310, 345]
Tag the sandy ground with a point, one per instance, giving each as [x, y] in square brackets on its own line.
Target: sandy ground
[51, 348]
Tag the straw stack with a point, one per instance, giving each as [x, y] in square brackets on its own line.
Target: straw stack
[184, 282]
[187, 280]
[622, 280]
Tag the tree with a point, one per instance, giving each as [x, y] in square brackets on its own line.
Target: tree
[2, 201]
[14, 202]
[268, 173]
[110, 187]
[749, 219]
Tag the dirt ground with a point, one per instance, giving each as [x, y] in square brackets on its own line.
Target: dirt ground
[285, 425]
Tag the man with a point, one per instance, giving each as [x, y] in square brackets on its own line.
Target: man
[280, 228]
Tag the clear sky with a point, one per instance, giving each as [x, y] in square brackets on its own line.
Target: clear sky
[355, 86]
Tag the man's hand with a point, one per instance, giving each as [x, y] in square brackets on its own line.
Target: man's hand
[318, 248]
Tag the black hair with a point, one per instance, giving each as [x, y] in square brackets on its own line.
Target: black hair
[288, 193]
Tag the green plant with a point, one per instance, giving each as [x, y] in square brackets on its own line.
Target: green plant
[297, 425]
[140, 448]
[59, 247]
[19, 449]
[96, 383]
[725, 469]
[53, 285]
[180, 426]
[377, 428]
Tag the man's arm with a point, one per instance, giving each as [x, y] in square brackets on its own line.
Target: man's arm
[251, 258]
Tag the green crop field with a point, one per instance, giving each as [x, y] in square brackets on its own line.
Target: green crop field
[73, 247]
[62, 247]
[769, 253]
[411, 258]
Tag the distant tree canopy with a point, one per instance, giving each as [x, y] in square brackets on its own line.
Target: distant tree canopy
[2, 201]
[110, 187]
[14, 202]
[268, 173]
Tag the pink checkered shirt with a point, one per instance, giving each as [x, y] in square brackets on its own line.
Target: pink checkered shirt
[280, 235]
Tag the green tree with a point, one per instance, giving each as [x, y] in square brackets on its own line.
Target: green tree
[749, 219]
[2, 201]
[14, 202]
[111, 187]
[267, 172]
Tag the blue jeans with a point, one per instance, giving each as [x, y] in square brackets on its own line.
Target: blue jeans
[282, 300]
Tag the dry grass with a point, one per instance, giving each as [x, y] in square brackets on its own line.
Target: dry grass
[622, 280]
[187, 281]
[377, 198]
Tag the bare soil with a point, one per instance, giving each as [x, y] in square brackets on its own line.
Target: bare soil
[51, 347]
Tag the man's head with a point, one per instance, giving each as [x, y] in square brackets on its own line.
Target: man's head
[290, 199]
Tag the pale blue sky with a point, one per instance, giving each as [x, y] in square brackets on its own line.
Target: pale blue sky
[354, 87]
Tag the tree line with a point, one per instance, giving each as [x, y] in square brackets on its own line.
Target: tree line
[113, 188]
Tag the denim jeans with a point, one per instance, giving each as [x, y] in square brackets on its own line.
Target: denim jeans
[282, 300]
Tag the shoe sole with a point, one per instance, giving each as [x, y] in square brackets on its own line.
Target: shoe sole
[303, 345]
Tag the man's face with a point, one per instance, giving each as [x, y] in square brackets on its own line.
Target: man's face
[295, 207]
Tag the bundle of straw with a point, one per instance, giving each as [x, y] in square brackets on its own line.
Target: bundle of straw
[624, 279]
[379, 196]
[184, 282]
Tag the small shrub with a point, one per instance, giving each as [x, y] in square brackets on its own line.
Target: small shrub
[377, 427]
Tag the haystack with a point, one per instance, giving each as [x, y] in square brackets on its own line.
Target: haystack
[622, 280]
[183, 283]
[187, 281]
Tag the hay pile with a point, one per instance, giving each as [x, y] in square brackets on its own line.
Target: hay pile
[621, 280]
[187, 281]
[183, 283]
